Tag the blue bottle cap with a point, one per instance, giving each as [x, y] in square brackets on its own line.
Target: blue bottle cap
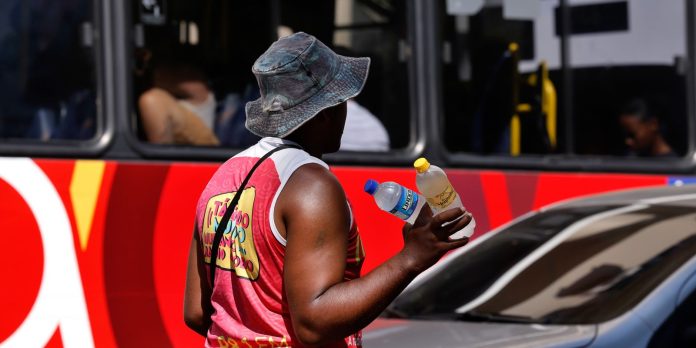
[371, 186]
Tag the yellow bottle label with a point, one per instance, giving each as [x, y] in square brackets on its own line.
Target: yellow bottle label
[443, 200]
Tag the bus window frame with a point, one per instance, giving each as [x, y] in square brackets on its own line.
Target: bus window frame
[393, 157]
[566, 161]
[104, 129]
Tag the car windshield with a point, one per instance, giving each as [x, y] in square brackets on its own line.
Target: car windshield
[578, 265]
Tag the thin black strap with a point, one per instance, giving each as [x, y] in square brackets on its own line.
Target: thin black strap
[230, 208]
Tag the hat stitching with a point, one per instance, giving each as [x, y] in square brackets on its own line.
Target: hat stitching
[272, 70]
[328, 82]
[309, 73]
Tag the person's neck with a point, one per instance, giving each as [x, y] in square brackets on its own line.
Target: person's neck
[311, 147]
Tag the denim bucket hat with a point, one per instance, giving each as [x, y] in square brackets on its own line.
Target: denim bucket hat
[298, 77]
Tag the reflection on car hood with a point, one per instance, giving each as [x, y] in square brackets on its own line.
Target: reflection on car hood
[387, 333]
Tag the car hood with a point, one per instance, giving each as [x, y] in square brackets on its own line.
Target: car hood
[386, 333]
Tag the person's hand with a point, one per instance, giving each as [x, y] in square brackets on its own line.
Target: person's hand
[428, 239]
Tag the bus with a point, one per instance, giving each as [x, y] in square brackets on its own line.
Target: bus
[519, 100]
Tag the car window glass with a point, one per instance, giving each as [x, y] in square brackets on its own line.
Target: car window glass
[597, 273]
[47, 71]
[602, 270]
[496, 255]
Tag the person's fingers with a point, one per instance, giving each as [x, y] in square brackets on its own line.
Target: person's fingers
[425, 216]
[447, 216]
[404, 230]
[448, 229]
[457, 225]
[457, 243]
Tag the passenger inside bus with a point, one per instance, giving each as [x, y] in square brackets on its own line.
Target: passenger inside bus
[643, 132]
[179, 107]
[363, 130]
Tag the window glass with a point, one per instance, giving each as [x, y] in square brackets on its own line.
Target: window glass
[47, 75]
[192, 69]
[599, 272]
[379, 118]
[195, 59]
[503, 87]
[497, 255]
[628, 61]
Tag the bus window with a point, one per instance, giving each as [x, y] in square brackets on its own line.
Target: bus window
[379, 118]
[192, 70]
[195, 59]
[47, 71]
[628, 78]
[503, 85]
[482, 85]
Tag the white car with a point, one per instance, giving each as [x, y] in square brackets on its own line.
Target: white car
[613, 270]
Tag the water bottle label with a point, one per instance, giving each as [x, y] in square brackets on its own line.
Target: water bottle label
[443, 200]
[407, 204]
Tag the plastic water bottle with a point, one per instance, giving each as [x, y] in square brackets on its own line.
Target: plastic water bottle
[432, 183]
[396, 199]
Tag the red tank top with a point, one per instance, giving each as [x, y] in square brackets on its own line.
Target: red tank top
[249, 307]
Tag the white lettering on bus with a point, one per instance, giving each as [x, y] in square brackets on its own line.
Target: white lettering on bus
[60, 300]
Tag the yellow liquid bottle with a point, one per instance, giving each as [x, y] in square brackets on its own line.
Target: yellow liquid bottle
[434, 185]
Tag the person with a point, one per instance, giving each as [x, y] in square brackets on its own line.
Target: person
[642, 130]
[363, 130]
[288, 268]
[229, 127]
[179, 108]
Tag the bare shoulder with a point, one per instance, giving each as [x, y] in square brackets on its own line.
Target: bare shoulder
[313, 181]
[313, 192]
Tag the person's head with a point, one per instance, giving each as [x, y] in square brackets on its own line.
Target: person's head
[641, 127]
[304, 86]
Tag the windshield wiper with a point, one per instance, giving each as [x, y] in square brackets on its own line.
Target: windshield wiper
[495, 317]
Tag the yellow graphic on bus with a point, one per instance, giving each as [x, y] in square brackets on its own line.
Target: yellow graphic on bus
[236, 251]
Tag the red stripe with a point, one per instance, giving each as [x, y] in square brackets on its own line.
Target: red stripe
[92, 266]
[497, 200]
[128, 267]
[180, 193]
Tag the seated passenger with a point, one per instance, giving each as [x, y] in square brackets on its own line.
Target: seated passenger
[179, 108]
[363, 130]
[230, 127]
[642, 128]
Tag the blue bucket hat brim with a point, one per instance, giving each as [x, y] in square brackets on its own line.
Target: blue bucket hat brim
[347, 83]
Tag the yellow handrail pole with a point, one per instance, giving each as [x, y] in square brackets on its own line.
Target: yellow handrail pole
[515, 127]
[549, 104]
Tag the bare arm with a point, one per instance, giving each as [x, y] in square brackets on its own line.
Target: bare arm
[322, 306]
[197, 307]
